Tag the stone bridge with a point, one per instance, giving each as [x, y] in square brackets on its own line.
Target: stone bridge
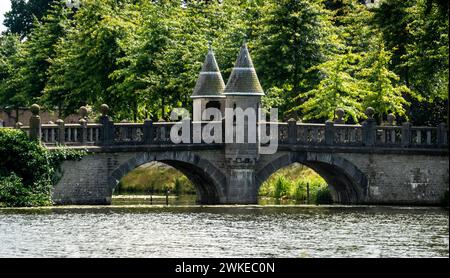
[363, 164]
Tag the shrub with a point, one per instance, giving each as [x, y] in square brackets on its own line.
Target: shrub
[27, 169]
[300, 191]
[323, 196]
[281, 187]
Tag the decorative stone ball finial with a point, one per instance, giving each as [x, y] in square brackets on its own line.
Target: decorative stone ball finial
[340, 113]
[35, 109]
[391, 119]
[19, 125]
[340, 116]
[83, 111]
[292, 120]
[59, 121]
[370, 112]
[104, 109]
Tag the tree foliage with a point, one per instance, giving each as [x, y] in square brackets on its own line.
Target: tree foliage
[27, 169]
[142, 58]
[21, 18]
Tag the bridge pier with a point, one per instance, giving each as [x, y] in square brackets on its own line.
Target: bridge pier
[241, 186]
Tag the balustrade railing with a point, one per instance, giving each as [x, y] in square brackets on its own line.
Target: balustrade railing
[289, 133]
[128, 133]
[347, 135]
[310, 134]
[389, 135]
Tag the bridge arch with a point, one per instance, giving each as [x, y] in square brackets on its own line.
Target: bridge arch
[207, 179]
[349, 183]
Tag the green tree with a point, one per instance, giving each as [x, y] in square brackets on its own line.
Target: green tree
[20, 19]
[383, 93]
[10, 51]
[416, 32]
[427, 55]
[79, 72]
[38, 50]
[292, 37]
[337, 89]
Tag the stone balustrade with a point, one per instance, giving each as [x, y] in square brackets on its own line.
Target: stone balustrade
[331, 133]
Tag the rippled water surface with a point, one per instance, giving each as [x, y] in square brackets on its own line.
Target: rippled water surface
[226, 231]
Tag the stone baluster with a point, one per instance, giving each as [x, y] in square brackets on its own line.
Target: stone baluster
[406, 134]
[369, 128]
[428, 137]
[292, 131]
[61, 132]
[329, 132]
[418, 136]
[35, 123]
[108, 125]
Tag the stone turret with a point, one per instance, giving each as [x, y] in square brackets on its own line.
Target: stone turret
[243, 91]
[243, 79]
[208, 91]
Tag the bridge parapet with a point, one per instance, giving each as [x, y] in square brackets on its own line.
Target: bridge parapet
[106, 133]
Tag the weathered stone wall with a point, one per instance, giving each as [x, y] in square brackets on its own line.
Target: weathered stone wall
[93, 179]
[403, 179]
[357, 177]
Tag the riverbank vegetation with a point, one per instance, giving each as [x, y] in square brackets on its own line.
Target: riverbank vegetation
[155, 178]
[299, 183]
[295, 183]
[28, 171]
[142, 58]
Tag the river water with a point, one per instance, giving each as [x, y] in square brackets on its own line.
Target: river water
[224, 231]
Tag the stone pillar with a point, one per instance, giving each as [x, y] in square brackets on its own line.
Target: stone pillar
[406, 134]
[61, 132]
[292, 131]
[83, 130]
[241, 183]
[329, 132]
[369, 128]
[108, 125]
[148, 131]
[35, 123]
[442, 135]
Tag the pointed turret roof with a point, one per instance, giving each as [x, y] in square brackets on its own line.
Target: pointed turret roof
[243, 79]
[210, 82]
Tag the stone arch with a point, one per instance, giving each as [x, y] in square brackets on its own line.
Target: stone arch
[349, 183]
[208, 180]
